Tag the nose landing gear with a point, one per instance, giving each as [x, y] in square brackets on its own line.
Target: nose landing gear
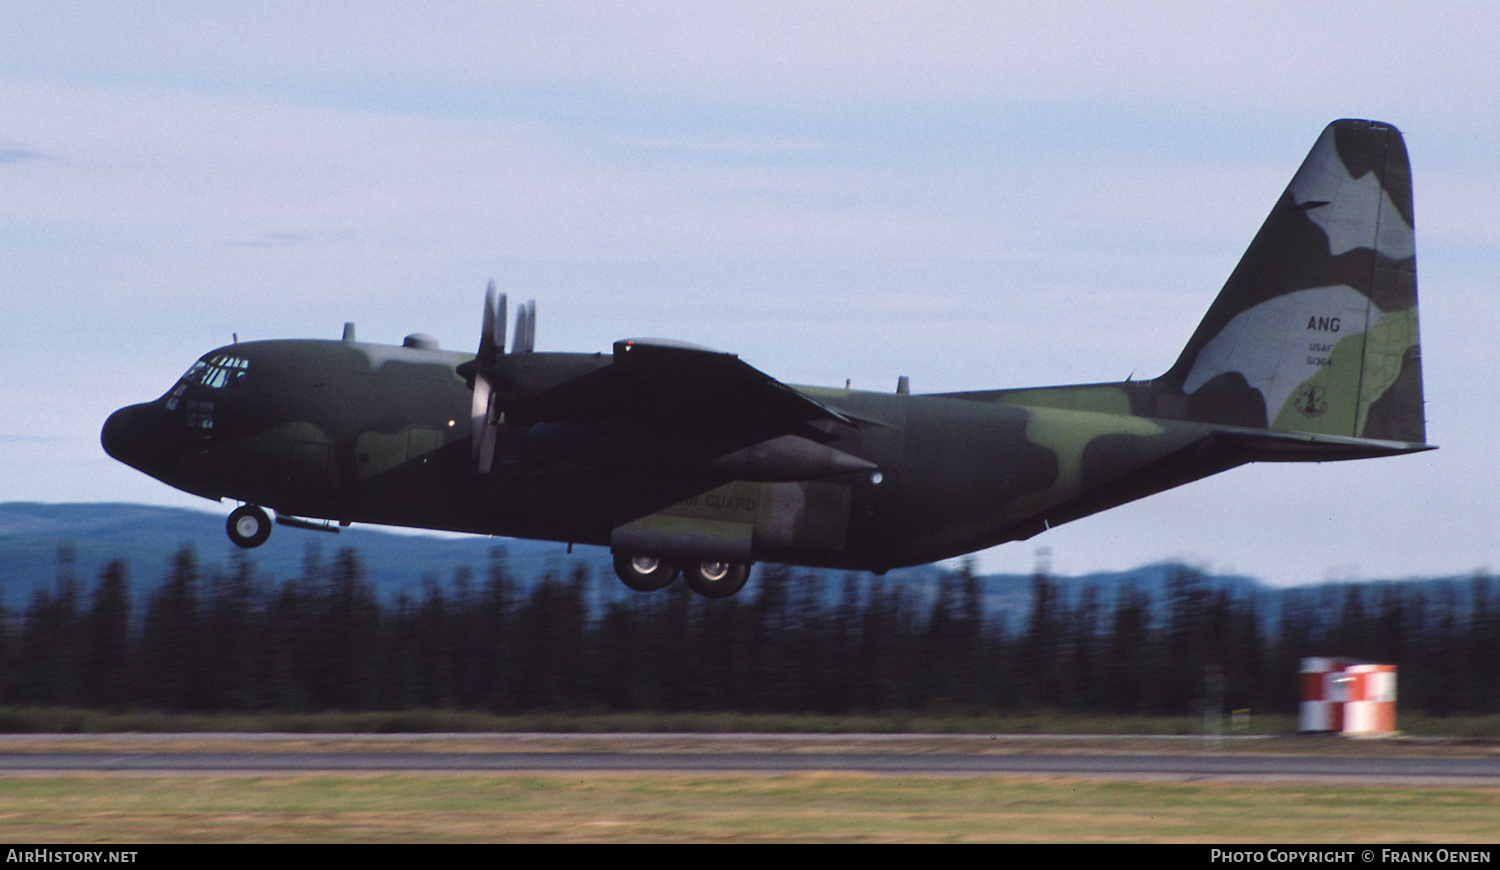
[248, 526]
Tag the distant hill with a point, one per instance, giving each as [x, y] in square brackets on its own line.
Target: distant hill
[147, 537]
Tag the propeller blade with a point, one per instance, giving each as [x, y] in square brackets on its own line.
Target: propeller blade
[525, 337]
[499, 318]
[483, 421]
[492, 333]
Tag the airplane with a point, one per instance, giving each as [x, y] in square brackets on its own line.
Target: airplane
[688, 461]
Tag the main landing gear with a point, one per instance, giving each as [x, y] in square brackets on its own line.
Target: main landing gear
[644, 573]
[709, 579]
[248, 526]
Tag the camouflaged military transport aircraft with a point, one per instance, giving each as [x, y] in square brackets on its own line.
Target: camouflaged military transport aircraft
[685, 460]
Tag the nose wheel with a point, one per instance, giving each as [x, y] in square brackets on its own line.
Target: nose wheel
[248, 526]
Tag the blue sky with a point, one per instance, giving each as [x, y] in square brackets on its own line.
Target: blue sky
[974, 195]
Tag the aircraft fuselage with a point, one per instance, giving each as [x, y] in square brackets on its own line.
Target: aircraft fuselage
[367, 433]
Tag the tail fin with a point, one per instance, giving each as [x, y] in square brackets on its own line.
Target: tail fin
[1316, 328]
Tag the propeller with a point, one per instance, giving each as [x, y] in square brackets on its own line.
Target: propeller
[485, 412]
[483, 419]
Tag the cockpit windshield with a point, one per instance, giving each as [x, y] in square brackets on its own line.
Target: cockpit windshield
[219, 371]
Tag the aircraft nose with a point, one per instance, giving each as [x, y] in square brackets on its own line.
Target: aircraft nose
[116, 436]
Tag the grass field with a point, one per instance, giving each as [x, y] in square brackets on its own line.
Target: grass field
[725, 808]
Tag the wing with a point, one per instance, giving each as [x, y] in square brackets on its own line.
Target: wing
[671, 382]
[666, 405]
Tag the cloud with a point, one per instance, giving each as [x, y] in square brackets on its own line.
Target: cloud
[36, 439]
[468, 58]
[20, 155]
[283, 239]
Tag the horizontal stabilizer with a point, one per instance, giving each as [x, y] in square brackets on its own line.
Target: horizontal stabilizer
[1271, 446]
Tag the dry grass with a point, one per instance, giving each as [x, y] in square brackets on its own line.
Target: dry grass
[724, 808]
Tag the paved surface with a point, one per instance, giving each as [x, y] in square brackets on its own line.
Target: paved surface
[177, 754]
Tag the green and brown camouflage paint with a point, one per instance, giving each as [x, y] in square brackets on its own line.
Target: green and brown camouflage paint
[1310, 352]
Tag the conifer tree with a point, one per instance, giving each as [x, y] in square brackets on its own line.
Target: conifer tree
[104, 680]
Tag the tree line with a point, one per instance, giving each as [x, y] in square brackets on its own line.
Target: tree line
[231, 640]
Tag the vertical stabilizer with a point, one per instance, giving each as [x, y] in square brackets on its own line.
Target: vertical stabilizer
[1316, 329]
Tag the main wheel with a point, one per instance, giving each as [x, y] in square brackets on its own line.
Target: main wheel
[716, 579]
[248, 526]
[644, 573]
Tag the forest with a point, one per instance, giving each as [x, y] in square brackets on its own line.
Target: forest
[205, 640]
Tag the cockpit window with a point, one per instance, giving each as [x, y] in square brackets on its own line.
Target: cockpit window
[219, 371]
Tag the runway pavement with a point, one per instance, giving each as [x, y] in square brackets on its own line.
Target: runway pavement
[911, 755]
